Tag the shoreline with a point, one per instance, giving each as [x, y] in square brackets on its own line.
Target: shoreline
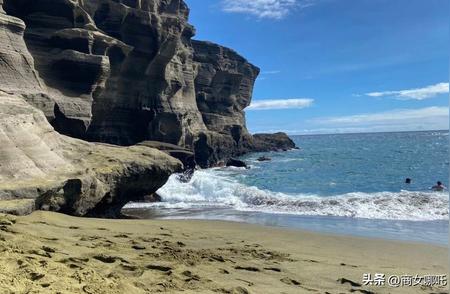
[317, 230]
[47, 252]
[427, 231]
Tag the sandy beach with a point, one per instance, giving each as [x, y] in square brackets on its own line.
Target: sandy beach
[54, 253]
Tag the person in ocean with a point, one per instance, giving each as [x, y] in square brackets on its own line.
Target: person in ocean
[439, 187]
[408, 181]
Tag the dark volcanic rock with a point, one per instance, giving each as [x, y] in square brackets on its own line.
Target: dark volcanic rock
[224, 87]
[236, 163]
[264, 158]
[272, 142]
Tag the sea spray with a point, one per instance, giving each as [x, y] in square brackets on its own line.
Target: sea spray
[212, 188]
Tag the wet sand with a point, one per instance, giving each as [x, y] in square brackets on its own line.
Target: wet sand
[54, 253]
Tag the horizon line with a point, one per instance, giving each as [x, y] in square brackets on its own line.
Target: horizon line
[359, 133]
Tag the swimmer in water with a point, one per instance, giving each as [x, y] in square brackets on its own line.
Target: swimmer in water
[408, 181]
[439, 187]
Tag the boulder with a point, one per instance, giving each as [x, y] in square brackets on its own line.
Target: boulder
[264, 158]
[67, 175]
[236, 163]
[272, 142]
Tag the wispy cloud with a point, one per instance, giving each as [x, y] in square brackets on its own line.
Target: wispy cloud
[271, 9]
[414, 94]
[422, 119]
[388, 116]
[281, 104]
[429, 118]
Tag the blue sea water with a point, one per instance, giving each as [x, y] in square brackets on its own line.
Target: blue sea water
[349, 184]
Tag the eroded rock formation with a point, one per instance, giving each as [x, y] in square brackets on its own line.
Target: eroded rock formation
[120, 72]
[42, 169]
[125, 71]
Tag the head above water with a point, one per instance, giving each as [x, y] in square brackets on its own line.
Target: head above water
[408, 181]
[439, 183]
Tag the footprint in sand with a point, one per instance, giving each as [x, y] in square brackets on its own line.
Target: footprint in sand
[75, 260]
[108, 258]
[344, 281]
[6, 222]
[190, 276]
[40, 253]
[160, 268]
[311, 260]
[48, 249]
[36, 276]
[131, 268]
[217, 258]
[165, 235]
[349, 265]
[105, 258]
[289, 281]
[240, 290]
[122, 236]
[247, 282]
[274, 269]
[247, 268]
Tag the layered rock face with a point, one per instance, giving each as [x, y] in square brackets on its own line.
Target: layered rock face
[68, 175]
[126, 71]
[224, 87]
[123, 69]
[42, 169]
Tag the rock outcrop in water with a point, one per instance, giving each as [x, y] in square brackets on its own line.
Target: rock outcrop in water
[118, 72]
[272, 142]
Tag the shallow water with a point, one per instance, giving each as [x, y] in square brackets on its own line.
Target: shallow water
[346, 184]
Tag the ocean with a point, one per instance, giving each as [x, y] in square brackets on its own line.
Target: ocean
[350, 184]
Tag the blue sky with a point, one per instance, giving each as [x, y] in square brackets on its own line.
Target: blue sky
[331, 66]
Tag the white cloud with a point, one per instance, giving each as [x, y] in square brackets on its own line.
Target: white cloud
[272, 9]
[281, 104]
[429, 118]
[414, 94]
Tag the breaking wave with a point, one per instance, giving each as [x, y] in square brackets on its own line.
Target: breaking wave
[210, 188]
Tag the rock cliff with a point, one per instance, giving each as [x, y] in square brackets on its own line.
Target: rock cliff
[42, 169]
[120, 72]
[126, 71]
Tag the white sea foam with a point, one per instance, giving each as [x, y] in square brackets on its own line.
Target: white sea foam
[211, 188]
